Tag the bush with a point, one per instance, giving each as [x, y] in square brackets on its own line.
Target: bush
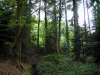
[90, 59]
[85, 69]
[52, 57]
[65, 66]
[46, 68]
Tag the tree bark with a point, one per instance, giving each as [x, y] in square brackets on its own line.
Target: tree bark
[59, 27]
[88, 17]
[55, 27]
[46, 40]
[77, 45]
[85, 27]
[39, 24]
[67, 28]
[18, 33]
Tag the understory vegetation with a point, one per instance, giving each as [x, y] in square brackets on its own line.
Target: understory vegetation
[53, 64]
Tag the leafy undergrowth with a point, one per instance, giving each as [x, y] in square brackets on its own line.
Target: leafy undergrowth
[60, 65]
[6, 68]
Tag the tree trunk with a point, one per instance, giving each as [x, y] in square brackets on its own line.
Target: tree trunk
[18, 47]
[55, 28]
[67, 28]
[98, 32]
[18, 33]
[77, 45]
[88, 17]
[39, 24]
[85, 27]
[84, 39]
[59, 27]
[46, 40]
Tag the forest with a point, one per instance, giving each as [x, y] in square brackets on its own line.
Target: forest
[47, 37]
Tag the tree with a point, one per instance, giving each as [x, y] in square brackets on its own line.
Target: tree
[60, 16]
[77, 46]
[97, 26]
[54, 20]
[6, 34]
[67, 28]
[46, 39]
[39, 23]
[18, 31]
[85, 27]
[88, 16]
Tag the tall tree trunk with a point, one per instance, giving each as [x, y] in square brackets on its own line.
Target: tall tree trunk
[77, 46]
[85, 27]
[58, 49]
[25, 30]
[46, 43]
[88, 17]
[55, 27]
[98, 32]
[39, 23]
[67, 28]
[85, 39]
[19, 11]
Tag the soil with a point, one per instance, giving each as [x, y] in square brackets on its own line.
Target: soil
[7, 67]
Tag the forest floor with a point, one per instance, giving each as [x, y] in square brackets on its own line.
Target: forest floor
[7, 67]
[53, 64]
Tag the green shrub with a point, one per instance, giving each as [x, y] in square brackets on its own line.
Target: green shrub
[51, 68]
[52, 57]
[65, 66]
[90, 59]
[86, 69]
[46, 68]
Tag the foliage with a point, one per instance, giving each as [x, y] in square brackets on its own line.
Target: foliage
[65, 66]
[90, 59]
[46, 68]
[12, 24]
[34, 28]
[52, 57]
